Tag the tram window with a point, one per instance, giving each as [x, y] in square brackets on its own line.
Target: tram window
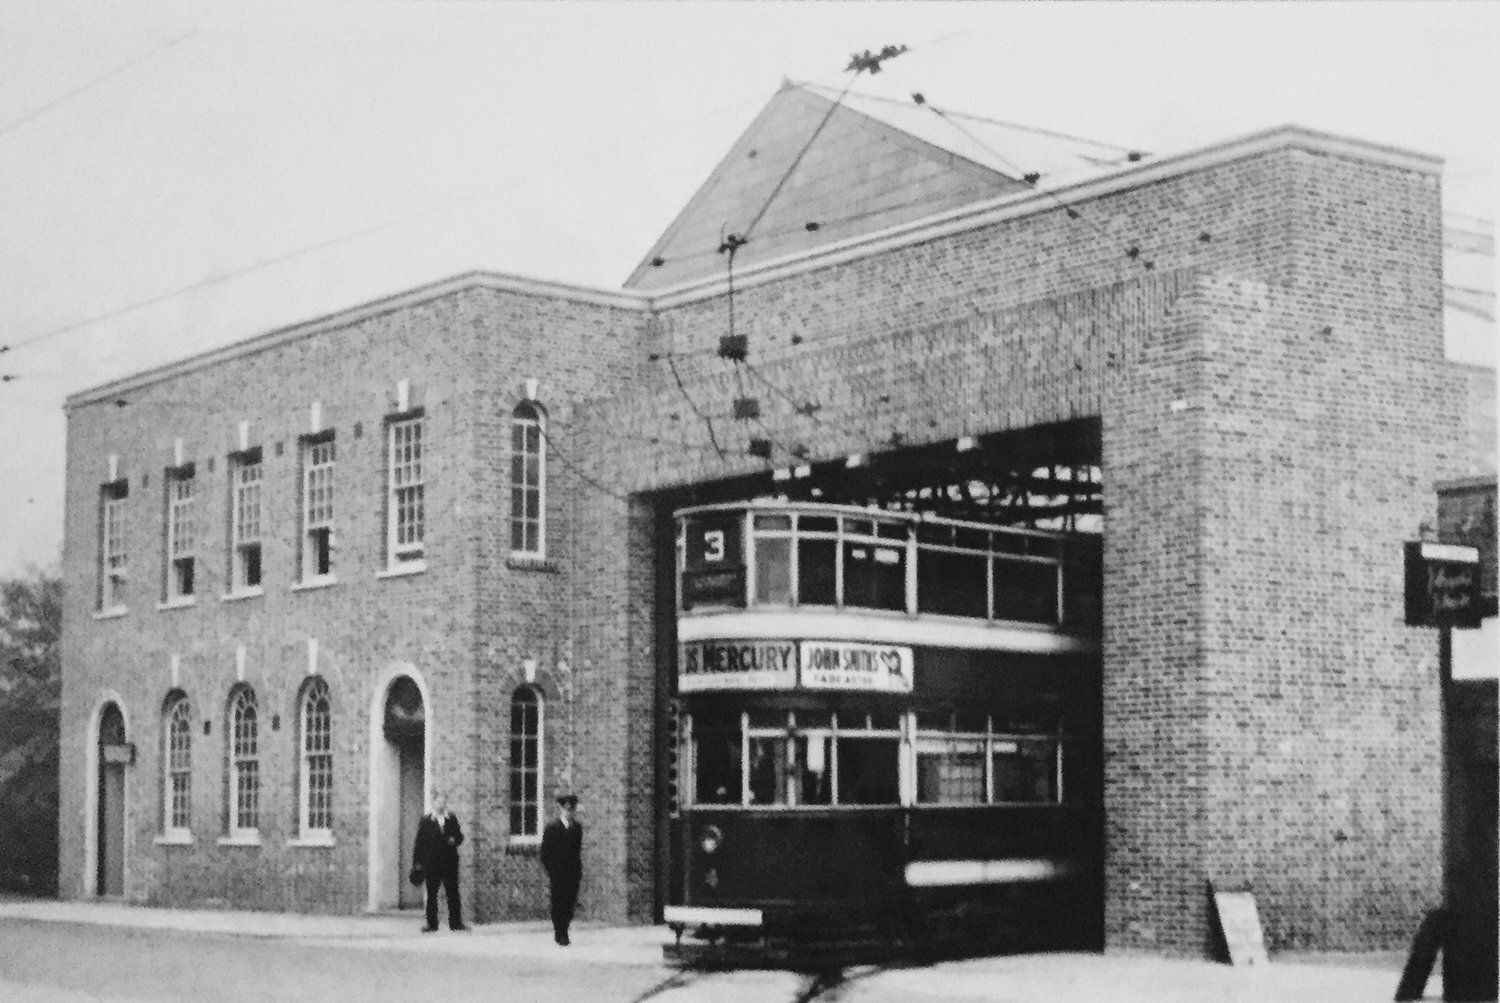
[1025, 591]
[814, 768]
[874, 576]
[952, 584]
[773, 569]
[950, 771]
[816, 568]
[817, 524]
[716, 762]
[777, 523]
[1025, 770]
[768, 770]
[869, 770]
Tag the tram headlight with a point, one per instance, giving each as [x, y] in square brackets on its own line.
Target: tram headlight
[710, 839]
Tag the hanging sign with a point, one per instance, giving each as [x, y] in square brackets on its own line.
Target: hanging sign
[736, 665]
[837, 665]
[1442, 585]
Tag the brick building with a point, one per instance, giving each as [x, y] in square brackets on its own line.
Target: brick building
[419, 543]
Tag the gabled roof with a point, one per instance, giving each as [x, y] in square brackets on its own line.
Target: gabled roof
[812, 170]
[1004, 147]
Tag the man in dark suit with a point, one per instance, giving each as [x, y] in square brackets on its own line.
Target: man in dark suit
[562, 846]
[436, 852]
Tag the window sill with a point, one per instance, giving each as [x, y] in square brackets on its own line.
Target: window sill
[312, 840]
[180, 602]
[402, 570]
[523, 846]
[241, 839]
[315, 583]
[521, 562]
[174, 839]
[254, 592]
[113, 613]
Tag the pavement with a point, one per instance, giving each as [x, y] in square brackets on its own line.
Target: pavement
[1113, 977]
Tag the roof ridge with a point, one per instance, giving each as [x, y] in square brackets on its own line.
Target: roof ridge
[809, 85]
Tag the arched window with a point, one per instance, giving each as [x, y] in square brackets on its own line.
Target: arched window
[525, 763]
[244, 763]
[528, 482]
[177, 762]
[315, 761]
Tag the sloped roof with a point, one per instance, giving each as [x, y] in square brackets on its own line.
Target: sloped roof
[1004, 147]
[818, 166]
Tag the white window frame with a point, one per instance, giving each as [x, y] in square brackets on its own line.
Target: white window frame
[405, 493]
[538, 771]
[311, 759]
[244, 757]
[177, 765]
[319, 507]
[247, 510]
[182, 494]
[113, 557]
[528, 422]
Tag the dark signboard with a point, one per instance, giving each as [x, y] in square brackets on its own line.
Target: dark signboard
[1466, 515]
[1442, 585]
[714, 564]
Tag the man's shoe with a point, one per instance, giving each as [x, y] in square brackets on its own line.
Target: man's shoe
[429, 929]
[460, 928]
[565, 941]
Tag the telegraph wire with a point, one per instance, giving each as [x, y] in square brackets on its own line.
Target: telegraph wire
[707, 421]
[1033, 180]
[91, 84]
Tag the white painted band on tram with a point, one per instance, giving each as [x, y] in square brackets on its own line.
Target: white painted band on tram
[894, 629]
[707, 916]
[942, 873]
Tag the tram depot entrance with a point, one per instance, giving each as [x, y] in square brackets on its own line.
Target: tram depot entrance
[819, 550]
[405, 729]
[114, 754]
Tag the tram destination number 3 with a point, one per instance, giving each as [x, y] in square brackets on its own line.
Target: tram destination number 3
[715, 570]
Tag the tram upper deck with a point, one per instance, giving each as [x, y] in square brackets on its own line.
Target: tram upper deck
[762, 568]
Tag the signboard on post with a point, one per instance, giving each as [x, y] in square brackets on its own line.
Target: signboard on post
[1442, 585]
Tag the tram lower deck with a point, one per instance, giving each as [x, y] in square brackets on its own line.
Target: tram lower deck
[855, 770]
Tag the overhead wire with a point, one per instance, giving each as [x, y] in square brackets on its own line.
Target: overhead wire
[90, 84]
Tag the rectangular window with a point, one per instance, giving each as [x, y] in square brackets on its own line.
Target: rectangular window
[527, 483]
[244, 522]
[112, 554]
[181, 532]
[405, 514]
[317, 509]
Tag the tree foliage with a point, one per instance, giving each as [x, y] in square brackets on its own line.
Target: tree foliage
[30, 686]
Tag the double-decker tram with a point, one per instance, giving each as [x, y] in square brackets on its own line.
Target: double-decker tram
[888, 734]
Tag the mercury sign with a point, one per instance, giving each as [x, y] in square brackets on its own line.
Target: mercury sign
[736, 665]
[832, 665]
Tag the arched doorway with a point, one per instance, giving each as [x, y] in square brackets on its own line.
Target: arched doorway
[114, 755]
[405, 727]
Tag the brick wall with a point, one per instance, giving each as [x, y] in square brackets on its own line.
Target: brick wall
[1258, 472]
[465, 626]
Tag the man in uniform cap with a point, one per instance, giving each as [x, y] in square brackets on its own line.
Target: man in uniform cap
[562, 845]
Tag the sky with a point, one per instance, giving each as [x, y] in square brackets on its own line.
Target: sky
[176, 176]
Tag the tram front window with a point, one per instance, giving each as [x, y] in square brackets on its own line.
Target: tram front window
[1025, 770]
[869, 761]
[716, 761]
